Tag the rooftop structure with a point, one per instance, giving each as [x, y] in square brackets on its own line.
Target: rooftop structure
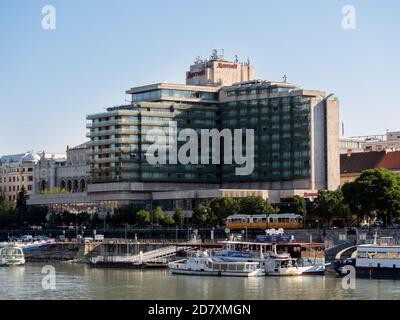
[390, 141]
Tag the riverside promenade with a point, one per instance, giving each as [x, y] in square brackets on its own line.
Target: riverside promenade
[81, 250]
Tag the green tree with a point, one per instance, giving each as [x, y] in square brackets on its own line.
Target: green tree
[255, 205]
[200, 214]
[221, 208]
[125, 215]
[21, 206]
[96, 220]
[7, 215]
[330, 205]
[179, 217]
[143, 217]
[212, 219]
[157, 215]
[36, 216]
[295, 204]
[83, 218]
[376, 193]
[21, 200]
[168, 220]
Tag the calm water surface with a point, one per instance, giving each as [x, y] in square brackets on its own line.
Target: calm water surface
[82, 282]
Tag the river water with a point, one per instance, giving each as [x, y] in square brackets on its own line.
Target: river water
[76, 282]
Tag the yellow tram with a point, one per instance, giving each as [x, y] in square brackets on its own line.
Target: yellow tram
[265, 221]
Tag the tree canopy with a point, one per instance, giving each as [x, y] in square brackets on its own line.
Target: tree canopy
[221, 208]
[376, 193]
[255, 205]
[330, 205]
[200, 214]
[179, 217]
[295, 204]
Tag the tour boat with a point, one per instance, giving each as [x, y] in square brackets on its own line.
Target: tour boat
[303, 258]
[11, 256]
[200, 263]
[373, 261]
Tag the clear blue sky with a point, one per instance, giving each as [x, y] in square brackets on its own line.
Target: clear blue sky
[50, 80]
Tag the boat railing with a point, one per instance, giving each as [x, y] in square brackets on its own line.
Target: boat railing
[383, 241]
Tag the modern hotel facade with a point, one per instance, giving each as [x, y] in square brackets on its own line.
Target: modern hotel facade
[296, 142]
[296, 139]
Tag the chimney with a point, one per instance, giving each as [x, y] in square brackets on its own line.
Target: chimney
[349, 152]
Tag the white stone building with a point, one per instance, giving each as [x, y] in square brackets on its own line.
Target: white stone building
[16, 171]
[60, 175]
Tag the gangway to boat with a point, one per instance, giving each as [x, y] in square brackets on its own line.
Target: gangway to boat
[159, 256]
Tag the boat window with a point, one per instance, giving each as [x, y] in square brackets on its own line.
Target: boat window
[362, 255]
[381, 255]
[392, 255]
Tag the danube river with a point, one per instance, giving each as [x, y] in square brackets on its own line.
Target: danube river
[82, 282]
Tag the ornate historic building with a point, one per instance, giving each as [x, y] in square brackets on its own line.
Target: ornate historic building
[60, 175]
[16, 171]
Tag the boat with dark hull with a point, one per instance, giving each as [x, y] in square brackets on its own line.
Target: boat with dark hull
[372, 261]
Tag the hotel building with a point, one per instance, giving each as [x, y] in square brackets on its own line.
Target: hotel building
[296, 139]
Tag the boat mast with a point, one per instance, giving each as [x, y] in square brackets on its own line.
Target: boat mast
[375, 237]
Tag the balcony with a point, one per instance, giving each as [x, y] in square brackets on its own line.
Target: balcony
[121, 122]
[111, 132]
[111, 141]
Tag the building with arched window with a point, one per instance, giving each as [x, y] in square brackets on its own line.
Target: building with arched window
[68, 175]
[16, 172]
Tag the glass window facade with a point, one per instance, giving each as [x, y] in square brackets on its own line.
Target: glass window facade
[282, 137]
[159, 94]
[281, 126]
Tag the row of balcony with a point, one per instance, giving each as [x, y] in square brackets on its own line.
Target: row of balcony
[119, 122]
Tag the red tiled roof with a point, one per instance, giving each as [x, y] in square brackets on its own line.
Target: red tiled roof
[391, 161]
[358, 162]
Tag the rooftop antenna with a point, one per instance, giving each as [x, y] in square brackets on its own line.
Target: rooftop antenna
[236, 58]
[284, 78]
[221, 56]
[214, 54]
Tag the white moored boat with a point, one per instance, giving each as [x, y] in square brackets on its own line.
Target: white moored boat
[200, 263]
[11, 256]
[282, 265]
